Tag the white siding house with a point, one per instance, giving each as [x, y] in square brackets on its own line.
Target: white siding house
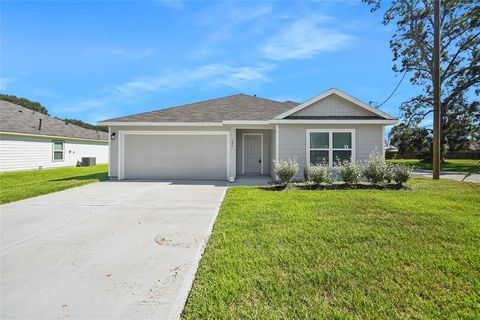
[31, 140]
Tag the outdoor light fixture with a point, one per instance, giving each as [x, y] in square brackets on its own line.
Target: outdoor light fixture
[112, 136]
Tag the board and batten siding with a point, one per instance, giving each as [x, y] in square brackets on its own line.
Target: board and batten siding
[333, 106]
[293, 141]
[19, 152]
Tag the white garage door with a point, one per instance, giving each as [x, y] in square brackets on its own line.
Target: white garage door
[175, 156]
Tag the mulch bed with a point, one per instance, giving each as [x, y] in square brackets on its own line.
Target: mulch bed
[339, 186]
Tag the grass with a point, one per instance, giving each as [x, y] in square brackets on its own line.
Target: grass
[20, 185]
[359, 254]
[457, 165]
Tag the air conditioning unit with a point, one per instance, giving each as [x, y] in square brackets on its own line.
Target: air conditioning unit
[89, 161]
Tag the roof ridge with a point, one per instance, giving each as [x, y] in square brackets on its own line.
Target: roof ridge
[193, 103]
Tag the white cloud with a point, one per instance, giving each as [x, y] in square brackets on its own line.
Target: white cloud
[208, 76]
[105, 105]
[4, 82]
[304, 38]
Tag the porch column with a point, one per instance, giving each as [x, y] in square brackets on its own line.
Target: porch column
[233, 153]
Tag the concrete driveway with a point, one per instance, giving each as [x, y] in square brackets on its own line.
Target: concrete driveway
[110, 250]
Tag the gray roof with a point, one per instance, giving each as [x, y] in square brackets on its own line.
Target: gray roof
[236, 107]
[17, 119]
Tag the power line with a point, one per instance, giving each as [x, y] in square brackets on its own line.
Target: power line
[394, 90]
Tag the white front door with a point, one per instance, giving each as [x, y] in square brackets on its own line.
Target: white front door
[252, 155]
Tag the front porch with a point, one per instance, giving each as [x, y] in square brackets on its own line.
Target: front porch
[254, 149]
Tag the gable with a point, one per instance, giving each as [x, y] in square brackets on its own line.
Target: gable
[333, 106]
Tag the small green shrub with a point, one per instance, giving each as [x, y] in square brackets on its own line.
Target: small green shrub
[349, 172]
[285, 169]
[389, 174]
[401, 173]
[320, 174]
[306, 173]
[375, 168]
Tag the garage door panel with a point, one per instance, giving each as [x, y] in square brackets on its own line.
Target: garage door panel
[175, 156]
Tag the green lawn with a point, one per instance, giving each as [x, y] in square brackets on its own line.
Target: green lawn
[358, 254]
[457, 165]
[26, 184]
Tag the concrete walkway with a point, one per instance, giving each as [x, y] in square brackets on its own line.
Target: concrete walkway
[110, 250]
[475, 177]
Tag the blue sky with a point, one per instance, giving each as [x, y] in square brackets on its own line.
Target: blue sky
[97, 60]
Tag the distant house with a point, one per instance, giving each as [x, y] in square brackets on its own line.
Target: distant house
[32, 140]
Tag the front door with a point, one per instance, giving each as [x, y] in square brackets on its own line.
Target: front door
[252, 153]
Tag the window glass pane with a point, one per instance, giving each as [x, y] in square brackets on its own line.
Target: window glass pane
[58, 146]
[342, 155]
[319, 157]
[342, 140]
[319, 140]
[58, 155]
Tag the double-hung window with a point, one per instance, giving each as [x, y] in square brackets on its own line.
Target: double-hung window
[58, 150]
[330, 146]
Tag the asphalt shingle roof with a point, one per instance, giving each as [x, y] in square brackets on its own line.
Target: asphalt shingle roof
[236, 107]
[17, 119]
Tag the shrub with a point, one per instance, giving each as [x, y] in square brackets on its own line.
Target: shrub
[320, 174]
[375, 168]
[349, 172]
[285, 170]
[306, 174]
[401, 173]
[389, 174]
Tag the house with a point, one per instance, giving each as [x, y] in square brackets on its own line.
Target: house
[240, 135]
[32, 140]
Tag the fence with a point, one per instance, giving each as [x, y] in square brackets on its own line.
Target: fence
[471, 154]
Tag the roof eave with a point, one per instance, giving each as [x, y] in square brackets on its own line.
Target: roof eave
[156, 123]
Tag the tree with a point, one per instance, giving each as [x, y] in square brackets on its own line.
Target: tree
[32, 105]
[412, 47]
[83, 124]
[410, 139]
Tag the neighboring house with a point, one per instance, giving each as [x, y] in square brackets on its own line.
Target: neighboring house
[32, 140]
[241, 135]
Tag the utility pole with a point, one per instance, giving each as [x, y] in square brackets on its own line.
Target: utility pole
[437, 110]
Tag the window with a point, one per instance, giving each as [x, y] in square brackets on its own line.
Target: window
[330, 146]
[58, 150]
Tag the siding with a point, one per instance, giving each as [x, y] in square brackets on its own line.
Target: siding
[266, 149]
[333, 106]
[293, 144]
[27, 153]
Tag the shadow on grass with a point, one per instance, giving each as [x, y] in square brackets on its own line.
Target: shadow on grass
[101, 176]
[343, 186]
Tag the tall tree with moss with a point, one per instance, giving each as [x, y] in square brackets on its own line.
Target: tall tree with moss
[412, 47]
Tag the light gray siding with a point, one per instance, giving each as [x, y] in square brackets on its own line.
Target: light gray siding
[332, 106]
[293, 141]
[266, 149]
[20, 152]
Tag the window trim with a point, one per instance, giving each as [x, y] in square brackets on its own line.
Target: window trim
[53, 150]
[330, 149]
